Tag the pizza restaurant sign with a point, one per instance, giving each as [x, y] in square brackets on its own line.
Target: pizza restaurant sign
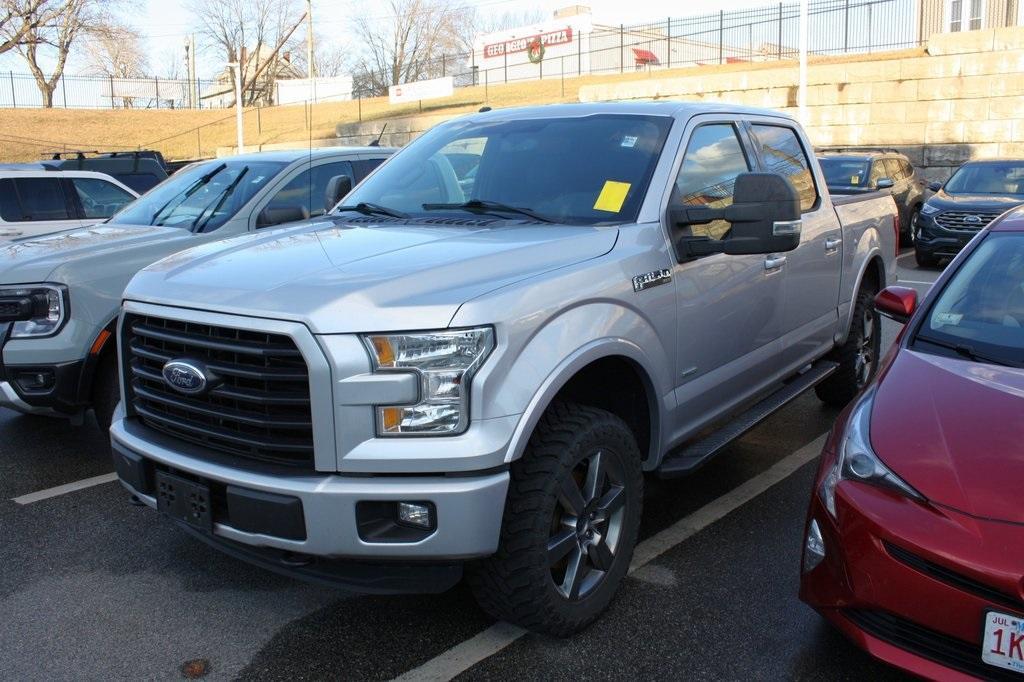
[558, 37]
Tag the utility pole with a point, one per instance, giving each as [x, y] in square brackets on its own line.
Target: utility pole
[190, 71]
[236, 67]
[802, 89]
[311, 70]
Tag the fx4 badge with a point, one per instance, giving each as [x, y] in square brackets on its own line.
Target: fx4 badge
[651, 279]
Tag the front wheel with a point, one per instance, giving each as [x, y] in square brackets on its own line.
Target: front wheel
[571, 521]
[909, 235]
[858, 356]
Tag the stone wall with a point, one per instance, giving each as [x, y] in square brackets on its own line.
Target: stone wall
[963, 99]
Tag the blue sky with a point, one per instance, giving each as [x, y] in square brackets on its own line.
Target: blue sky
[166, 23]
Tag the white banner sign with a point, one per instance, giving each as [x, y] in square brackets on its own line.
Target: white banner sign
[412, 92]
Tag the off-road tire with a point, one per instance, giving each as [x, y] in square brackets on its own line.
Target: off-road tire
[516, 583]
[908, 236]
[850, 377]
[106, 390]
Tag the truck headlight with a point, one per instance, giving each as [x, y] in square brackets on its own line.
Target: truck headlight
[34, 309]
[445, 362]
[856, 461]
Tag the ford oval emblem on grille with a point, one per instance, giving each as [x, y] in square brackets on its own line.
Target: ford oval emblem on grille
[186, 376]
[973, 219]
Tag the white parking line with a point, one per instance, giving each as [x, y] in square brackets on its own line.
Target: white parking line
[64, 489]
[464, 656]
[914, 281]
[905, 255]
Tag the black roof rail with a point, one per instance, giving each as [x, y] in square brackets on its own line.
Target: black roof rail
[840, 150]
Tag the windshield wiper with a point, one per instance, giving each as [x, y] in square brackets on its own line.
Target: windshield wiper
[192, 189]
[485, 206]
[966, 351]
[366, 208]
[225, 193]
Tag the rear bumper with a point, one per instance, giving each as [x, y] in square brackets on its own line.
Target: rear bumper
[339, 516]
[911, 584]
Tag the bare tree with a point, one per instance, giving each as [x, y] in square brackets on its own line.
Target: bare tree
[257, 34]
[17, 19]
[116, 50]
[411, 43]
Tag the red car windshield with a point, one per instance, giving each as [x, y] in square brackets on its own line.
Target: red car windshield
[980, 313]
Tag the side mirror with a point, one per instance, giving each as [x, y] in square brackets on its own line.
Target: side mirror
[765, 217]
[337, 188]
[897, 303]
[278, 215]
[935, 186]
[884, 183]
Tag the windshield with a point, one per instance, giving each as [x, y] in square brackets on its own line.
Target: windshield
[988, 178]
[844, 173]
[579, 170]
[981, 311]
[202, 197]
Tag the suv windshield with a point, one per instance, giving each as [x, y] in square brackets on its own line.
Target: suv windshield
[577, 170]
[844, 173]
[1004, 177]
[202, 197]
[980, 314]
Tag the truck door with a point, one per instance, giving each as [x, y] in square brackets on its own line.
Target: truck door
[811, 272]
[728, 321]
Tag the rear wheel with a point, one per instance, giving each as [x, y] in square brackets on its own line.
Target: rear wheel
[571, 521]
[858, 356]
[106, 390]
[909, 234]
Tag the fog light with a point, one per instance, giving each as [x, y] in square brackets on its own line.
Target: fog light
[418, 514]
[814, 547]
[35, 380]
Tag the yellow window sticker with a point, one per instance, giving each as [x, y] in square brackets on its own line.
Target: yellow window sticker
[612, 196]
[854, 179]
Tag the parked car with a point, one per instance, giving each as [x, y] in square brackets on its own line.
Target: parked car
[431, 381]
[975, 195]
[63, 291]
[852, 171]
[140, 170]
[36, 201]
[914, 542]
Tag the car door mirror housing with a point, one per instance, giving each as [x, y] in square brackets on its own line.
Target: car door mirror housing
[765, 218]
[935, 186]
[884, 183]
[897, 303]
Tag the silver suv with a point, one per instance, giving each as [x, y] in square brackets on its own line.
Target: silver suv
[470, 366]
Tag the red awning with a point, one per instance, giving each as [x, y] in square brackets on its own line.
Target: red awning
[645, 57]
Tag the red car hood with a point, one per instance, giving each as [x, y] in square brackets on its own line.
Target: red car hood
[954, 430]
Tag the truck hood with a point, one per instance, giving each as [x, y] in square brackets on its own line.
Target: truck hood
[953, 429]
[35, 259]
[342, 278]
[988, 203]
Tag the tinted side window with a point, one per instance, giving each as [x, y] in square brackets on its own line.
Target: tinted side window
[309, 191]
[908, 170]
[42, 199]
[783, 154]
[10, 208]
[892, 168]
[99, 198]
[707, 177]
[363, 167]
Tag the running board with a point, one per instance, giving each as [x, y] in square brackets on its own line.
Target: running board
[688, 459]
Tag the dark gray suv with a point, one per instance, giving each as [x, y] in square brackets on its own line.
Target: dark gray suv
[853, 171]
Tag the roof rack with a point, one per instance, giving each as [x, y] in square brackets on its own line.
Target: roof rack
[880, 150]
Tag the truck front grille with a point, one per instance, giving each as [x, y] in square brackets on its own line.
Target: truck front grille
[962, 220]
[259, 406]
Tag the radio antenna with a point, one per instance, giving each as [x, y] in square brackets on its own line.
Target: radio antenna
[376, 143]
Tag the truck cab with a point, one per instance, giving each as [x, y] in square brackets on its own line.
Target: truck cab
[468, 367]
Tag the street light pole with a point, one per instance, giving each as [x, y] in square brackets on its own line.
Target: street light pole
[234, 66]
[309, 39]
[802, 90]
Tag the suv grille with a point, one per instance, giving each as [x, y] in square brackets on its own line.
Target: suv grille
[259, 408]
[959, 220]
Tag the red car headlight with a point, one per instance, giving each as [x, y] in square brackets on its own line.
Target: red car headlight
[857, 461]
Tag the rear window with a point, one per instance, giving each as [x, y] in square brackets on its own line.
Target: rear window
[981, 310]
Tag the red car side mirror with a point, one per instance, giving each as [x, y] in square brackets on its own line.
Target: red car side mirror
[898, 303]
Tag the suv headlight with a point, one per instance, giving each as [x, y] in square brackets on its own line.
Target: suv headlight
[445, 361]
[929, 209]
[856, 461]
[41, 309]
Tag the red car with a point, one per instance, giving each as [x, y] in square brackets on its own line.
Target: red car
[914, 543]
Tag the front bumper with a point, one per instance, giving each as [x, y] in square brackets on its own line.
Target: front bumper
[469, 507]
[63, 397]
[911, 583]
[938, 242]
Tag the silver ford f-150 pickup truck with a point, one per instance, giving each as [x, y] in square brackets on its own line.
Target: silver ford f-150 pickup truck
[472, 363]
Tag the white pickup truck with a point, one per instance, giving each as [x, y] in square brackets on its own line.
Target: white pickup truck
[470, 365]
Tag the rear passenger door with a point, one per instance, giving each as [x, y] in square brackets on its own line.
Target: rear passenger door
[35, 205]
[811, 284]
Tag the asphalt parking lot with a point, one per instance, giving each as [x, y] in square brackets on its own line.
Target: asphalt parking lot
[92, 587]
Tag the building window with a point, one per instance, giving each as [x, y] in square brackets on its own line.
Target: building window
[965, 15]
